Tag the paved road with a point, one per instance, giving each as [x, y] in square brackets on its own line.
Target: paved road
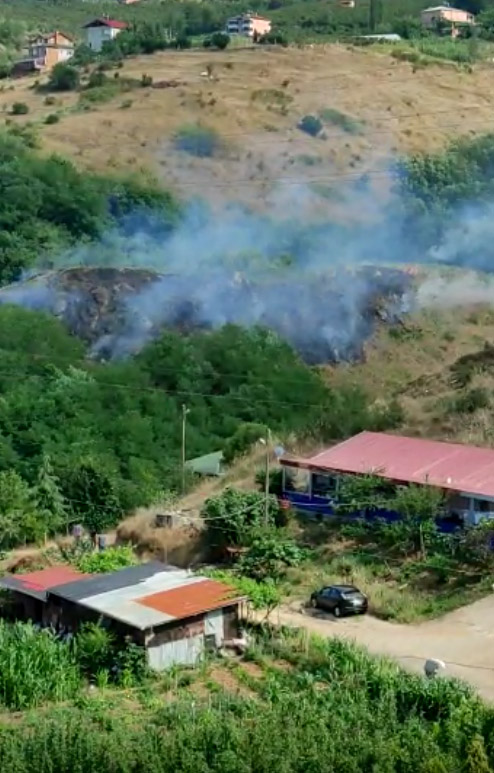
[463, 639]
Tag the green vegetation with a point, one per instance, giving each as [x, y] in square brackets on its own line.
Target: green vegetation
[109, 560]
[46, 204]
[37, 667]
[434, 185]
[311, 124]
[64, 77]
[196, 140]
[219, 40]
[301, 709]
[19, 108]
[343, 121]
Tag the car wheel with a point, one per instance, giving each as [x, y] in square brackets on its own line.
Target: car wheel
[337, 612]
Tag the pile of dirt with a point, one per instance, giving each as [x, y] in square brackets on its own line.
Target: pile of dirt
[326, 318]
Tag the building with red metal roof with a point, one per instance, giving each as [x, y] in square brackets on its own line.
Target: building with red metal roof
[102, 30]
[465, 472]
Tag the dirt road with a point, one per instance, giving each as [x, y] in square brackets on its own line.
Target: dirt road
[463, 639]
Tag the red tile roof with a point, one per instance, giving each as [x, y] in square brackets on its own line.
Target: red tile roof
[48, 578]
[410, 460]
[118, 25]
[192, 599]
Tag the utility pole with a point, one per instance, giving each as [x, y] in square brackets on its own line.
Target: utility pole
[266, 485]
[185, 411]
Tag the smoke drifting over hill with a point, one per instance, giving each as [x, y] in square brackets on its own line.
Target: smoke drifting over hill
[306, 281]
[320, 286]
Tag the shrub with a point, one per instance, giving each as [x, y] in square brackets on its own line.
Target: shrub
[146, 81]
[220, 40]
[196, 140]
[345, 122]
[242, 440]
[310, 124]
[52, 118]
[470, 401]
[19, 108]
[64, 77]
[97, 79]
[109, 560]
[274, 38]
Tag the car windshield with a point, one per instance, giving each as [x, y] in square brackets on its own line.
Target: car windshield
[351, 594]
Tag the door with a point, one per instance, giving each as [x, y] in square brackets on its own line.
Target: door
[325, 599]
[213, 626]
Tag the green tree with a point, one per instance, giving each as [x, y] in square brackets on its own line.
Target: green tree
[234, 517]
[242, 440]
[270, 553]
[19, 519]
[50, 502]
[92, 495]
[64, 77]
[220, 40]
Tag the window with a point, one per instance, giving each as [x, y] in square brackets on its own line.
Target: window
[323, 485]
[481, 505]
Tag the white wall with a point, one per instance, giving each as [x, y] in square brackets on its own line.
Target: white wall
[186, 652]
[96, 36]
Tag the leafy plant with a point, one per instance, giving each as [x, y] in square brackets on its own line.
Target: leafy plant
[220, 40]
[52, 118]
[269, 554]
[19, 108]
[234, 517]
[197, 140]
[311, 124]
[110, 560]
[64, 77]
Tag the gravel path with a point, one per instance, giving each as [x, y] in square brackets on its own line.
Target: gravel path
[463, 639]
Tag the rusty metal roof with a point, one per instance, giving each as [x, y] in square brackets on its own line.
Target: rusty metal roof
[138, 596]
[192, 599]
[453, 466]
[36, 584]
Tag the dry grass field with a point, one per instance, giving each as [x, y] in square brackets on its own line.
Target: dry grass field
[254, 99]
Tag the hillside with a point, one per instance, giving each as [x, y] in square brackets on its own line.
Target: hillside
[373, 107]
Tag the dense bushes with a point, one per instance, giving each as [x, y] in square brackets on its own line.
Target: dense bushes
[437, 187]
[113, 432]
[200, 141]
[46, 204]
[37, 667]
[294, 719]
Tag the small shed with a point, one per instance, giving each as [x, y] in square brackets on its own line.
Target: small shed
[29, 591]
[209, 464]
[176, 615]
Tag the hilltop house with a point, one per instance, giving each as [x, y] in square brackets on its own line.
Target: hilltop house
[455, 18]
[249, 25]
[44, 52]
[175, 615]
[49, 50]
[464, 473]
[102, 30]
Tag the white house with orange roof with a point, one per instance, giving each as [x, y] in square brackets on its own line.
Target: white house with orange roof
[248, 25]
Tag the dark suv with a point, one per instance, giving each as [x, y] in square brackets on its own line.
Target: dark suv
[340, 600]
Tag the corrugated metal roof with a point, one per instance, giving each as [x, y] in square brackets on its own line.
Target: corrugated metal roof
[120, 595]
[191, 599]
[410, 460]
[36, 584]
[102, 583]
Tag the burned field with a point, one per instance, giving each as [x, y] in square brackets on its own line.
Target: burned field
[327, 318]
